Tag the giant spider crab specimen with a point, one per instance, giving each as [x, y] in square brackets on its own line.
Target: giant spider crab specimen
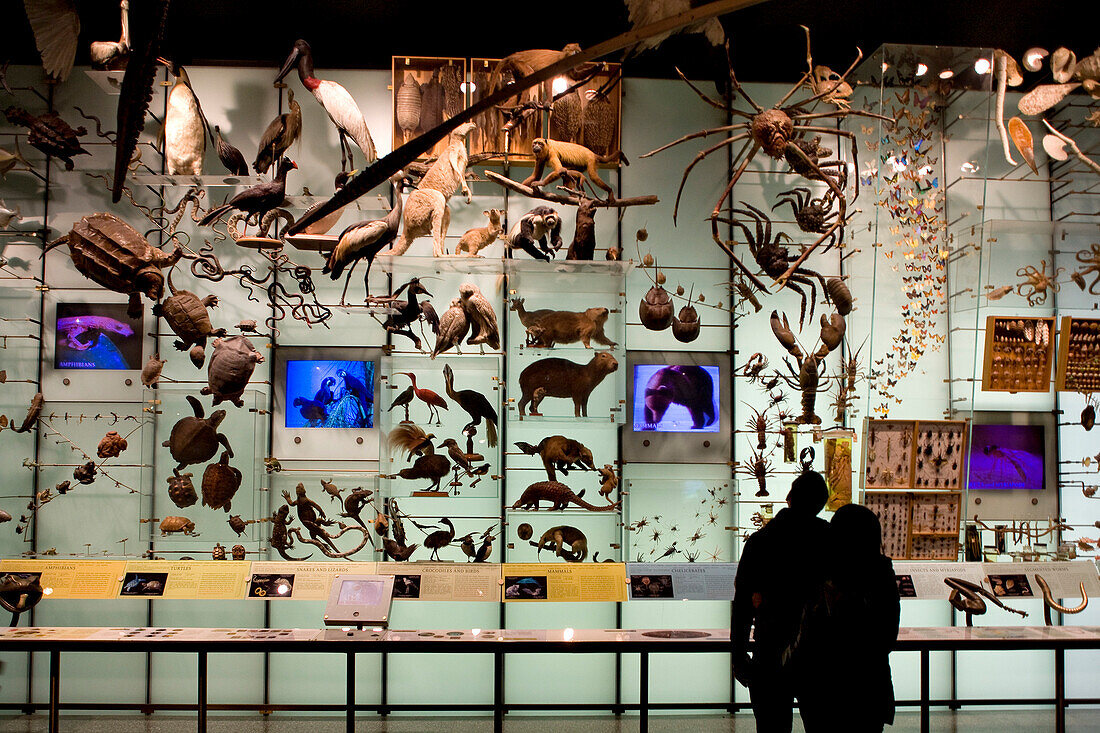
[780, 132]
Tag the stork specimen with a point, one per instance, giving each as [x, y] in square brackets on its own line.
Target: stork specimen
[338, 103]
[428, 397]
[280, 134]
[364, 239]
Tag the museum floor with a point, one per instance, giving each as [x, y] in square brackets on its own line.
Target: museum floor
[972, 721]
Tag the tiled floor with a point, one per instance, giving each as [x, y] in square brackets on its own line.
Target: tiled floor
[998, 721]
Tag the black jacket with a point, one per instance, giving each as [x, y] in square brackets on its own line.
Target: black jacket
[779, 573]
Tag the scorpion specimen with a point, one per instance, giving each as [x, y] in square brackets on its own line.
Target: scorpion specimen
[778, 131]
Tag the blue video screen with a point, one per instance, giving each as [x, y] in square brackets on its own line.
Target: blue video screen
[96, 336]
[1007, 457]
[329, 394]
[676, 398]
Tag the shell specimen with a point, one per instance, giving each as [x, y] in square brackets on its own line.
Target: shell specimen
[218, 553]
[1021, 138]
[655, 310]
[238, 552]
[1043, 97]
[407, 106]
[111, 445]
[220, 482]
[181, 491]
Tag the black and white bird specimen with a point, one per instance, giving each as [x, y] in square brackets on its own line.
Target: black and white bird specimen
[280, 134]
[257, 200]
[184, 132]
[338, 103]
[453, 327]
[364, 239]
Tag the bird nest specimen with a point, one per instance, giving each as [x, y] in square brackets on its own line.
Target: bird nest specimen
[782, 132]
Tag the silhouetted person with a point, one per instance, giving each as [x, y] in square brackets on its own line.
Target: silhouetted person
[779, 574]
[843, 662]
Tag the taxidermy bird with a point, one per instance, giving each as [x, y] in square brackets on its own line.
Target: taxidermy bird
[56, 26]
[365, 239]
[231, 158]
[403, 400]
[184, 131]
[474, 403]
[453, 327]
[428, 397]
[644, 12]
[112, 55]
[439, 539]
[396, 552]
[280, 134]
[433, 466]
[411, 439]
[338, 103]
[257, 200]
[482, 317]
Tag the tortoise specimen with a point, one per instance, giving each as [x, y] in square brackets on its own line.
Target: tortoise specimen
[181, 491]
[230, 368]
[196, 439]
[220, 482]
[171, 525]
[50, 134]
[186, 315]
[111, 253]
[150, 373]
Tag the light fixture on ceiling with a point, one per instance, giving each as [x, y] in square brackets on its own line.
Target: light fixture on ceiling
[922, 69]
[885, 66]
[982, 66]
[947, 74]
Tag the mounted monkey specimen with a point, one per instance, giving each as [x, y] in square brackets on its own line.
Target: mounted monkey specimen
[570, 160]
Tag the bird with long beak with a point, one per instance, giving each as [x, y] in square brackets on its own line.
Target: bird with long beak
[364, 240]
[280, 134]
[338, 103]
[257, 200]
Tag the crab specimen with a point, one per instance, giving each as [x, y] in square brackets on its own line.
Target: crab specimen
[811, 214]
[1037, 282]
[780, 132]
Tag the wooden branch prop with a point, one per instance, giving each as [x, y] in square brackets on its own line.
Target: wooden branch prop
[573, 200]
[382, 169]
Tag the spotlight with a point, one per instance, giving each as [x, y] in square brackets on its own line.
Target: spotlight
[468, 86]
[947, 74]
[559, 85]
[885, 66]
[922, 69]
[981, 66]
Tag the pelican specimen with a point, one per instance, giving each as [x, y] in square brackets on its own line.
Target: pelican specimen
[258, 199]
[364, 239]
[112, 55]
[184, 130]
[230, 157]
[338, 103]
[280, 134]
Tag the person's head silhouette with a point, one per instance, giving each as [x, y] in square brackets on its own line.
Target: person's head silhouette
[856, 531]
[808, 494]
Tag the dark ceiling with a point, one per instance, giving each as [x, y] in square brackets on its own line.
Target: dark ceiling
[766, 42]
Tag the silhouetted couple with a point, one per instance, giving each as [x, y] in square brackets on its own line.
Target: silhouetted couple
[822, 606]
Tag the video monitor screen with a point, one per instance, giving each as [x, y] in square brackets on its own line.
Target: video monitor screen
[330, 394]
[1007, 457]
[96, 336]
[360, 592]
[676, 398]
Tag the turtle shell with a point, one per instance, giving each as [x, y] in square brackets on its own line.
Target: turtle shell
[230, 368]
[237, 524]
[218, 553]
[111, 253]
[194, 438]
[238, 552]
[150, 373]
[181, 491]
[187, 317]
[220, 482]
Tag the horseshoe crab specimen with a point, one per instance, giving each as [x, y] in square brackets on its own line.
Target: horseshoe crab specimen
[186, 315]
[230, 368]
[196, 439]
[111, 253]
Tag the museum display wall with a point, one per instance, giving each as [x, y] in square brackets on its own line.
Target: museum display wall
[943, 236]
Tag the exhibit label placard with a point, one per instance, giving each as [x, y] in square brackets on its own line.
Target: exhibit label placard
[72, 579]
[924, 580]
[207, 580]
[1003, 579]
[682, 581]
[415, 581]
[570, 582]
[300, 581]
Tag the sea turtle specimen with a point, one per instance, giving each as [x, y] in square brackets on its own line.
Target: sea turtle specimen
[196, 439]
[111, 253]
[186, 315]
[50, 134]
[220, 482]
[230, 368]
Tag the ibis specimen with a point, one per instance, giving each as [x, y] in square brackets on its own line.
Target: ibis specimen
[428, 397]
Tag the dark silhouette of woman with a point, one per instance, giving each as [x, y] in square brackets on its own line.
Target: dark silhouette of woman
[842, 659]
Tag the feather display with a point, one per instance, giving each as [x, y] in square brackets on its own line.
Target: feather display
[56, 27]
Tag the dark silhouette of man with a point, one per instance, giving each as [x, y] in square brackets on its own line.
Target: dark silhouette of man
[780, 572]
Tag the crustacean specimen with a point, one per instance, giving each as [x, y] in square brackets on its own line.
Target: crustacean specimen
[1037, 282]
[775, 259]
[759, 467]
[813, 215]
[810, 366]
[779, 132]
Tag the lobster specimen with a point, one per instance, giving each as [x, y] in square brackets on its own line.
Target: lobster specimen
[810, 366]
[780, 132]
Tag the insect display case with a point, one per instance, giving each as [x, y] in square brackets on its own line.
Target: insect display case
[1019, 354]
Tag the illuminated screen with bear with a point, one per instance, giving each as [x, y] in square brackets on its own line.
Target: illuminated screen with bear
[676, 398]
[329, 394]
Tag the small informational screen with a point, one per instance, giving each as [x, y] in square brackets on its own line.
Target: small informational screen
[1007, 457]
[360, 592]
[329, 394]
[96, 336]
[676, 398]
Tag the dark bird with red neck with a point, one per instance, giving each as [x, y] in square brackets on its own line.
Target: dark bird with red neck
[257, 200]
